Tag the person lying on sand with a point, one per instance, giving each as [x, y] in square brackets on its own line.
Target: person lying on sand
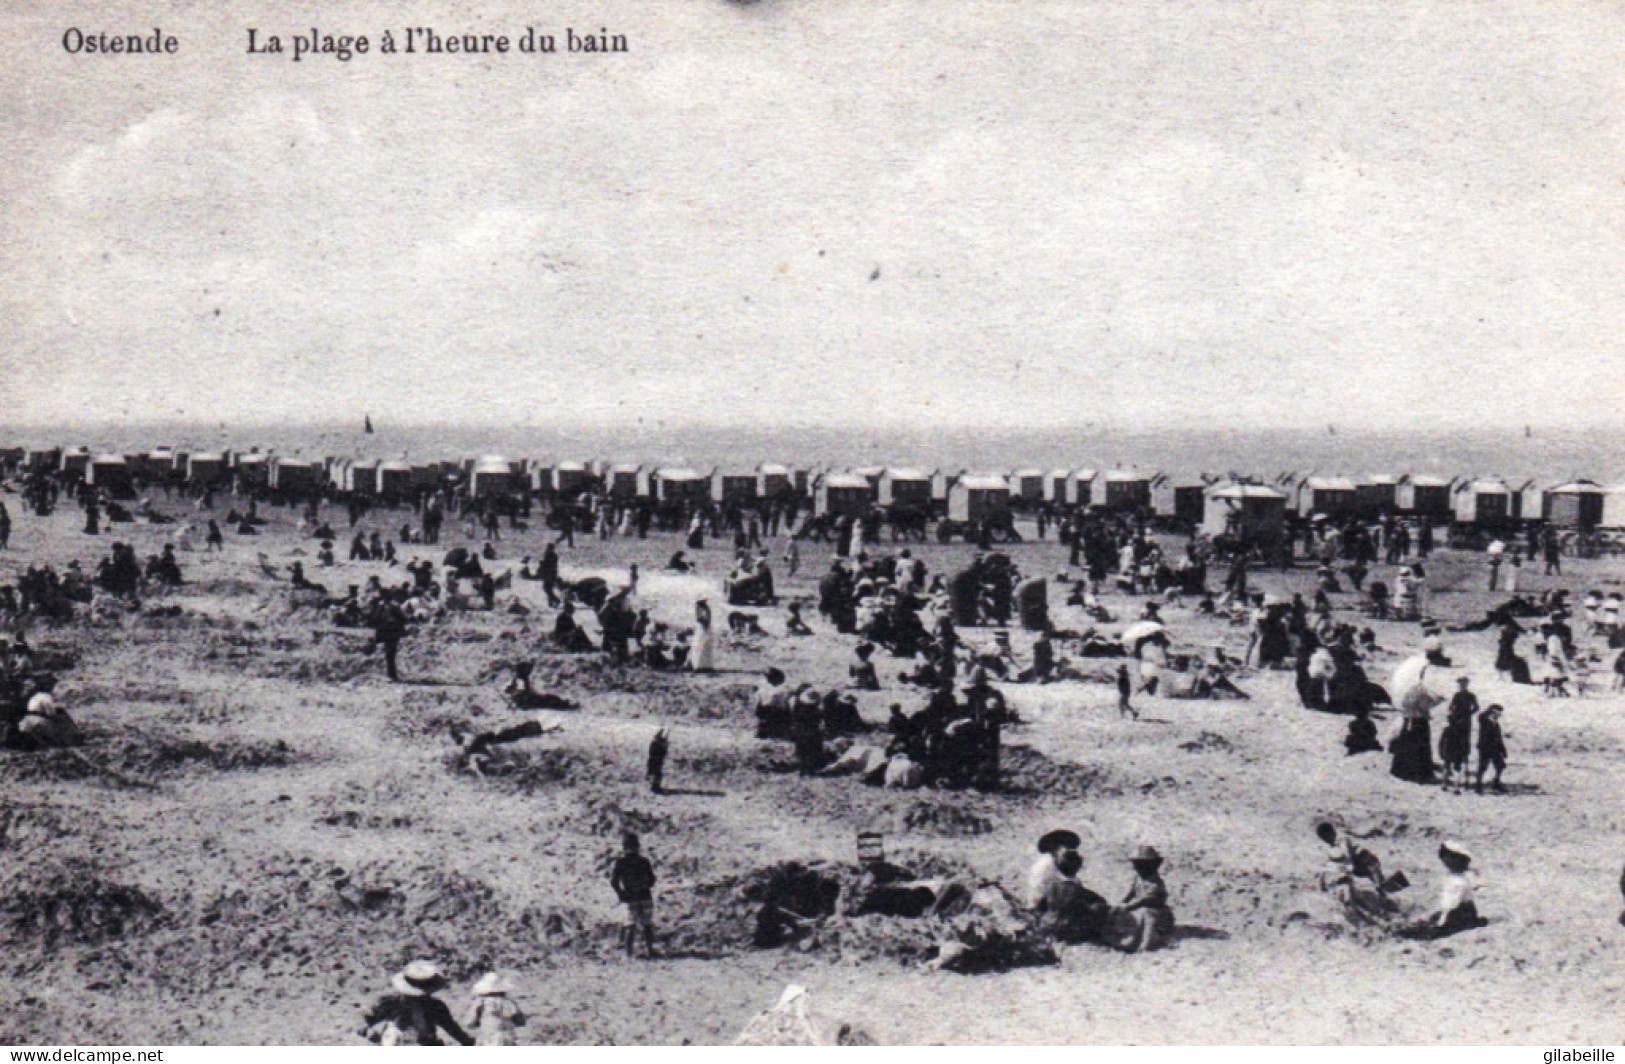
[478, 751]
[521, 695]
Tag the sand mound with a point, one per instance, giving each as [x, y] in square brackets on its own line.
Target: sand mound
[73, 903]
[945, 818]
[538, 770]
[137, 761]
[1033, 774]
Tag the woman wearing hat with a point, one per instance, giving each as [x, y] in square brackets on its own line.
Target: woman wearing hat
[412, 1015]
[701, 654]
[1457, 909]
[1045, 870]
[1144, 921]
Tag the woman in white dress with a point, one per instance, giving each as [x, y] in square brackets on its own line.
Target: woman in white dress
[701, 655]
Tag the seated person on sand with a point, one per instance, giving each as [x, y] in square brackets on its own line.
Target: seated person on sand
[301, 582]
[925, 674]
[794, 625]
[652, 648]
[166, 569]
[1003, 659]
[568, 636]
[1362, 733]
[1091, 644]
[1457, 910]
[1070, 912]
[773, 701]
[1044, 663]
[1045, 869]
[521, 695]
[347, 612]
[863, 760]
[903, 773]
[678, 563]
[862, 672]
[1208, 681]
[1143, 921]
[1353, 875]
[45, 726]
[841, 716]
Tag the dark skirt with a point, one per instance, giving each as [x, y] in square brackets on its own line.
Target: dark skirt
[1413, 752]
[1463, 917]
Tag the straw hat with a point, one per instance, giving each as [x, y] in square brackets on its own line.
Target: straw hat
[491, 983]
[418, 978]
[42, 705]
[1146, 855]
[1451, 846]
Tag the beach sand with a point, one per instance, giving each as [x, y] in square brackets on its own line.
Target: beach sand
[261, 829]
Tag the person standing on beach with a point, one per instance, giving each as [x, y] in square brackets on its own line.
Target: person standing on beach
[633, 880]
[1456, 738]
[389, 628]
[1553, 550]
[1125, 688]
[1492, 748]
[702, 657]
[548, 570]
[659, 746]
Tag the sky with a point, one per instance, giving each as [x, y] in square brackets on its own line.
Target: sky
[842, 213]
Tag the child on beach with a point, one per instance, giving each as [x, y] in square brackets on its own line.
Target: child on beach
[491, 1016]
[1125, 687]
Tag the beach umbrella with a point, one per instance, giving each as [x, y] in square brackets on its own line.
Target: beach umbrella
[1140, 631]
[1413, 693]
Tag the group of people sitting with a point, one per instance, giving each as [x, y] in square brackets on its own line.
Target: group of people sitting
[42, 591]
[751, 581]
[954, 740]
[30, 717]
[1353, 876]
[1072, 913]
[805, 717]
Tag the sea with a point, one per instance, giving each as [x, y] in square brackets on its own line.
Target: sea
[1521, 454]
